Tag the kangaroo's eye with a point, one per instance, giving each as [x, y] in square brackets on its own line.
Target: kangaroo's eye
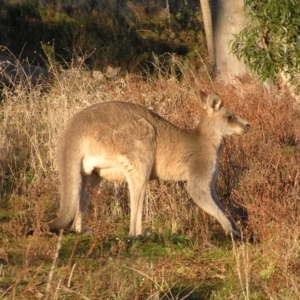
[230, 118]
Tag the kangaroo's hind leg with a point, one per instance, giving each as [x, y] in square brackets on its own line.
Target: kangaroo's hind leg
[137, 187]
[88, 182]
[136, 145]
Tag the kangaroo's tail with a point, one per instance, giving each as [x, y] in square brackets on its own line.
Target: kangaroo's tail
[69, 170]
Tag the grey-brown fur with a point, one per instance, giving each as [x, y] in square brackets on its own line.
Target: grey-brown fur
[120, 141]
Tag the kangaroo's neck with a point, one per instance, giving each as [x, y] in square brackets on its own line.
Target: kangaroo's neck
[208, 135]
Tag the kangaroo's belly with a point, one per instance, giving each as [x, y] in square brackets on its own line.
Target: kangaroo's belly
[111, 174]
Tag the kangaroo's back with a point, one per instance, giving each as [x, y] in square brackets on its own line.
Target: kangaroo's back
[115, 116]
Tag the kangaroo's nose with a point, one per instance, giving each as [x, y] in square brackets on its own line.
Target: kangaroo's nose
[248, 126]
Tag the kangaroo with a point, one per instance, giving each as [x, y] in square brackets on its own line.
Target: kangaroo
[121, 141]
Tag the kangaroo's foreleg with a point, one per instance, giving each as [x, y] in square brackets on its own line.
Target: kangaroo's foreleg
[208, 201]
[235, 230]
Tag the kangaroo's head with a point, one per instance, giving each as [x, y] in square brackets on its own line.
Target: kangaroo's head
[219, 119]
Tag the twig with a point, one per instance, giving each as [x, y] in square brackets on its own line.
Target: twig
[161, 286]
[54, 263]
[70, 278]
[238, 253]
[72, 291]
[212, 83]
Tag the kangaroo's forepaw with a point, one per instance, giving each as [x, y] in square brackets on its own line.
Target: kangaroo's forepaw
[236, 233]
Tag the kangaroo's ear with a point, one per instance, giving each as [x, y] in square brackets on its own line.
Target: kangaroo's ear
[203, 99]
[213, 102]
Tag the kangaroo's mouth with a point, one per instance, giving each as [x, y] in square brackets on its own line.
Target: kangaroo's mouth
[243, 130]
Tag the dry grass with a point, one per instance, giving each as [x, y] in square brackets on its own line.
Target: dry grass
[259, 172]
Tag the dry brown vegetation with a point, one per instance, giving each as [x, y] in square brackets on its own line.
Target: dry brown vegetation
[187, 256]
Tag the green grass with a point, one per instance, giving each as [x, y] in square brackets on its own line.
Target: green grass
[151, 265]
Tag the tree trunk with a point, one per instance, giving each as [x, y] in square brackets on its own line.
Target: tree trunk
[228, 18]
[207, 20]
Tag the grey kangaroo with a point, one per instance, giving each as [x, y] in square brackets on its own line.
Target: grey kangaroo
[121, 141]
